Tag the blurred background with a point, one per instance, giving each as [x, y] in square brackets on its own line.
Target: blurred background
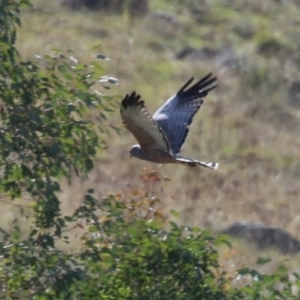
[250, 124]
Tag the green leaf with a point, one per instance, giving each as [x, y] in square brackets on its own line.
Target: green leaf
[263, 261]
[91, 191]
[175, 214]
[282, 269]
[95, 47]
[101, 56]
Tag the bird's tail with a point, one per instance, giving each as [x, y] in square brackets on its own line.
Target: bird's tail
[193, 163]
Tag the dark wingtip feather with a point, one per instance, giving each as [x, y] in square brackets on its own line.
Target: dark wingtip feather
[185, 85]
[207, 82]
[132, 99]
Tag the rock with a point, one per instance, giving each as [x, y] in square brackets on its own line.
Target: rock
[244, 30]
[294, 94]
[264, 237]
[165, 17]
[272, 47]
[223, 57]
[135, 7]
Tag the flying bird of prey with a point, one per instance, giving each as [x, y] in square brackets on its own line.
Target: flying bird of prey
[161, 137]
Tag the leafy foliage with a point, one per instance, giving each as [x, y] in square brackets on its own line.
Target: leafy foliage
[43, 133]
[130, 250]
[138, 259]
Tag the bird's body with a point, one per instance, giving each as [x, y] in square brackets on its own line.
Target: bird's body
[161, 137]
[153, 155]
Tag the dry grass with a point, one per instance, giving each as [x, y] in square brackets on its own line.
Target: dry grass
[246, 124]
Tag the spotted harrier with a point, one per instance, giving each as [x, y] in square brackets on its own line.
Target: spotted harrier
[161, 137]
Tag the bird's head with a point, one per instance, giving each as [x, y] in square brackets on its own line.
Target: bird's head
[136, 151]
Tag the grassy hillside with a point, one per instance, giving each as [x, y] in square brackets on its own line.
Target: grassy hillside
[249, 124]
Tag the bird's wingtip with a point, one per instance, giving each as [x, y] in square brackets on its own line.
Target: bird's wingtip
[215, 166]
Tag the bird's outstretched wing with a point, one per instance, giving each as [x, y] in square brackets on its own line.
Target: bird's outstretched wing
[177, 113]
[138, 121]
